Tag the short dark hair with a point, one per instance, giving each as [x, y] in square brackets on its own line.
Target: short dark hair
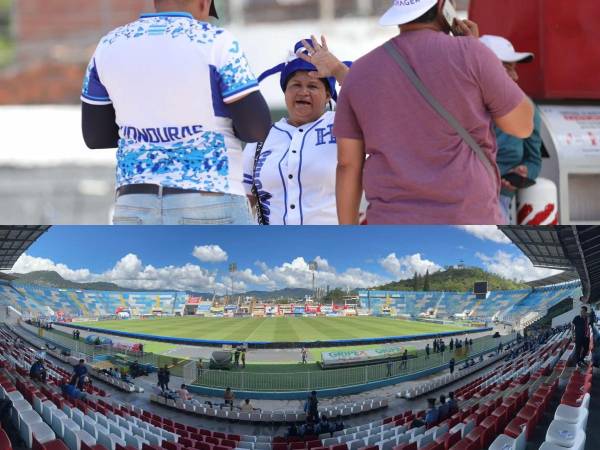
[429, 16]
[584, 307]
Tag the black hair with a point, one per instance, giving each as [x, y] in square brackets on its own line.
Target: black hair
[584, 307]
[429, 16]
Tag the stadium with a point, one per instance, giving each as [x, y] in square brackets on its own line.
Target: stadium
[507, 355]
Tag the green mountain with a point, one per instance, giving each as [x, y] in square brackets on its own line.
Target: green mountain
[50, 278]
[453, 280]
[281, 294]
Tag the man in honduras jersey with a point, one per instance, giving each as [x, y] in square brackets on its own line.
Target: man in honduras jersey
[176, 95]
[294, 175]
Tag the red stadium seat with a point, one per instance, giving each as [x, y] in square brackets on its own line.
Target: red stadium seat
[297, 445]
[501, 412]
[220, 447]
[120, 447]
[279, 446]
[370, 447]
[431, 446]
[412, 446]
[313, 444]
[338, 447]
[493, 423]
[465, 444]
[84, 446]
[4, 441]
[514, 428]
[483, 436]
[170, 445]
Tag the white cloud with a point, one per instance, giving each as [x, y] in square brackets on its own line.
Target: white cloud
[406, 266]
[486, 233]
[27, 263]
[210, 253]
[131, 272]
[514, 267]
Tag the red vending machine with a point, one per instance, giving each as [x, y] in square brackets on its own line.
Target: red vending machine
[564, 81]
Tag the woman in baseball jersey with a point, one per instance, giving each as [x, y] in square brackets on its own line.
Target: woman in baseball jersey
[292, 174]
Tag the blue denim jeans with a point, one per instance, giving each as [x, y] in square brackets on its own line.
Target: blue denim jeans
[182, 209]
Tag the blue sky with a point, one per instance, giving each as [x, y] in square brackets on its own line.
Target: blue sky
[267, 258]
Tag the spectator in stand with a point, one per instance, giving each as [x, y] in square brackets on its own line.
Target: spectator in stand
[37, 371]
[308, 429]
[79, 373]
[452, 404]
[124, 376]
[427, 351]
[71, 391]
[183, 393]
[164, 377]
[432, 414]
[470, 342]
[451, 365]
[323, 426]
[389, 364]
[243, 356]
[303, 353]
[451, 346]
[313, 406]
[443, 409]
[581, 332]
[339, 423]
[247, 406]
[293, 431]
[229, 397]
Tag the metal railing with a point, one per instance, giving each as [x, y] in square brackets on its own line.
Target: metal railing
[350, 376]
[98, 352]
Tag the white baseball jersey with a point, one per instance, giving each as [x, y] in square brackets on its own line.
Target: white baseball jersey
[295, 174]
[169, 78]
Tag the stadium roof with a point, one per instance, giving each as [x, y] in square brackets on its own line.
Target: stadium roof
[570, 248]
[562, 277]
[15, 240]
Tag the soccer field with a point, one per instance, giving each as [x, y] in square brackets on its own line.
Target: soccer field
[275, 329]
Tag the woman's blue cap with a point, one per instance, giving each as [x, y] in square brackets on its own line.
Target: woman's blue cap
[289, 68]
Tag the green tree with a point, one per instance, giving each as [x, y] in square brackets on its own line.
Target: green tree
[415, 284]
[426, 282]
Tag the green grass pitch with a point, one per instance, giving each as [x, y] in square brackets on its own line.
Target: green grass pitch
[275, 329]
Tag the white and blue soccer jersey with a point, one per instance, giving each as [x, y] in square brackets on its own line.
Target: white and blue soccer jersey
[169, 78]
[295, 174]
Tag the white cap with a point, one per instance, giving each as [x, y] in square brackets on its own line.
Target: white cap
[405, 11]
[504, 50]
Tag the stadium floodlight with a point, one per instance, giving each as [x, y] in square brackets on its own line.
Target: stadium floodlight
[232, 270]
[313, 267]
